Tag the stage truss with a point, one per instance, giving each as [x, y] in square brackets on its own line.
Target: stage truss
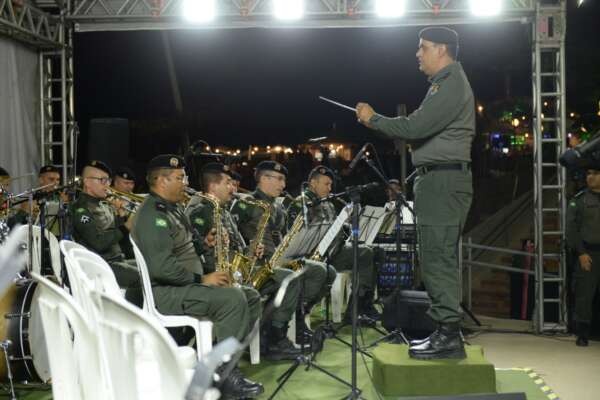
[49, 25]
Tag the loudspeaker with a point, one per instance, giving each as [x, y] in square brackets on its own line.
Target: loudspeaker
[108, 141]
[500, 396]
[406, 310]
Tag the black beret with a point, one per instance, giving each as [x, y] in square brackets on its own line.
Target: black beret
[99, 165]
[271, 166]
[3, 172]
[236, 176]
[49, 168]
[321, 170]
[440, 35]
[168, 161]
[216, 167]
[125, 173]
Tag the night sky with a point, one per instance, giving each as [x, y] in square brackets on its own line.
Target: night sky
[260, 86]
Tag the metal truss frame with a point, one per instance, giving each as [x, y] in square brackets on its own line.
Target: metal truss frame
[27, 23]
[95, 15]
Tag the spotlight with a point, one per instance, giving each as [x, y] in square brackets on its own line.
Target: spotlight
[199, 10]
[579, 3]
[486, 8]
[390, 8]
[288, 9]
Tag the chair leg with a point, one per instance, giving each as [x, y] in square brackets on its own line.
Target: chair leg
[255, 346]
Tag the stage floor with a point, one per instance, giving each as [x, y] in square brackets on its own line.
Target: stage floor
[569, 371]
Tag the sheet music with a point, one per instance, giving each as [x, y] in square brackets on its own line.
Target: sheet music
[389, 224]
[334, 229]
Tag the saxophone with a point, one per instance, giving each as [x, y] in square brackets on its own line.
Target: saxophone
[245, 264]
[222, 263]
[285, 242]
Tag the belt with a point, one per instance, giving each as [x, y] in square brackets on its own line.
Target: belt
[463, 166]
[591, 246]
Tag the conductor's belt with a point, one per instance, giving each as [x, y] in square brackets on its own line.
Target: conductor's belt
[462, 166]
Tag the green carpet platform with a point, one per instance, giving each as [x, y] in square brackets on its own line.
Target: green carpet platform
[314, 385]
[396, 374]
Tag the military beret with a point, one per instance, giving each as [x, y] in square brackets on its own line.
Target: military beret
[3, 172]
[236, 176]
[271, 166]
[168, 161]
[215, 167]
[49, 168]
[99, 165]
[440, 35]
[125, 173]
[321, 170]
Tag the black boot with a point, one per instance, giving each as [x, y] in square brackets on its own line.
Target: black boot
[236, 386]
[446, 342]
[416, 342]
[279, 347]
[303, 332]
[583, 334]
[367, 308]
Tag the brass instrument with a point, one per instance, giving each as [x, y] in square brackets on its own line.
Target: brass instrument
[245, 264]
[264, 273]
[132, 201]
[222, 263]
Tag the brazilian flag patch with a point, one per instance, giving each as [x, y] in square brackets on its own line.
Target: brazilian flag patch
[199, 221]
[162, 223]
[242, 205]
[80, 210]
[573, 204]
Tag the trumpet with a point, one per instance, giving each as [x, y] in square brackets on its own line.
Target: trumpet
[132, 201]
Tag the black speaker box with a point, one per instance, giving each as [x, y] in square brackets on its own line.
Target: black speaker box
[406, 310]
[108, 141]
[500, 396]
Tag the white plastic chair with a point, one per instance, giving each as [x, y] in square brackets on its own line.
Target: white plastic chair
[340, 295]
[36, 245]
[202, 329]
[142, 357]
[74, 350]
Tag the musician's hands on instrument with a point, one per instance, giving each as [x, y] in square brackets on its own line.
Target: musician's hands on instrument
[260, 251]
[118, 205]
[218, 278]
[364, 112]
[211, 238]
[129, 222]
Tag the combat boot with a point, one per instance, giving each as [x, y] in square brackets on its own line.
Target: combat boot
[583, 334]
[279, 347]
[446, 342]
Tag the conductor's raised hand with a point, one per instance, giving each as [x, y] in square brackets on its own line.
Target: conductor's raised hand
[364, 112]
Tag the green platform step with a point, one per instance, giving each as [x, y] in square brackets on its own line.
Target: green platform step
[396, 374]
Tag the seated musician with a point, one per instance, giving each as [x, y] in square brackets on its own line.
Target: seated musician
[124, 181]
[216, 181]
[320, 181]
[180, 285]
[97, 227]
[270, 177]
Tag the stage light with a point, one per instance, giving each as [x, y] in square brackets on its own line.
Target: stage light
[199, 10]
[288, 9]
[390, 8]
[486, 8]
[579, 3]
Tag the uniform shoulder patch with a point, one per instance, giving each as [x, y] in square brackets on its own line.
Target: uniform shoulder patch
[160, 222]
[85, 219]
[242, 205]
[199, 221]
[434, 88]
[573, 203]
[161, 206]
[80, 210]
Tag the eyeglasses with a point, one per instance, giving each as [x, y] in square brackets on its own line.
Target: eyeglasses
[104, 180]
[280, 178]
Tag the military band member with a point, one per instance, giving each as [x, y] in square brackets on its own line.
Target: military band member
[441, 131]
[216, 181]
[96, 226]
[124, 180]
[320, 181]
[165, 237]
[270, 177]
[583, 237]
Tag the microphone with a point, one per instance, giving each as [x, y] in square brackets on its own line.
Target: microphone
[358, 156]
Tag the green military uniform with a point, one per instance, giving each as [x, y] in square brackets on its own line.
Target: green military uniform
[440, 132]
[248, 216]
[96, 227]
[583, 237]
[164, 236]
